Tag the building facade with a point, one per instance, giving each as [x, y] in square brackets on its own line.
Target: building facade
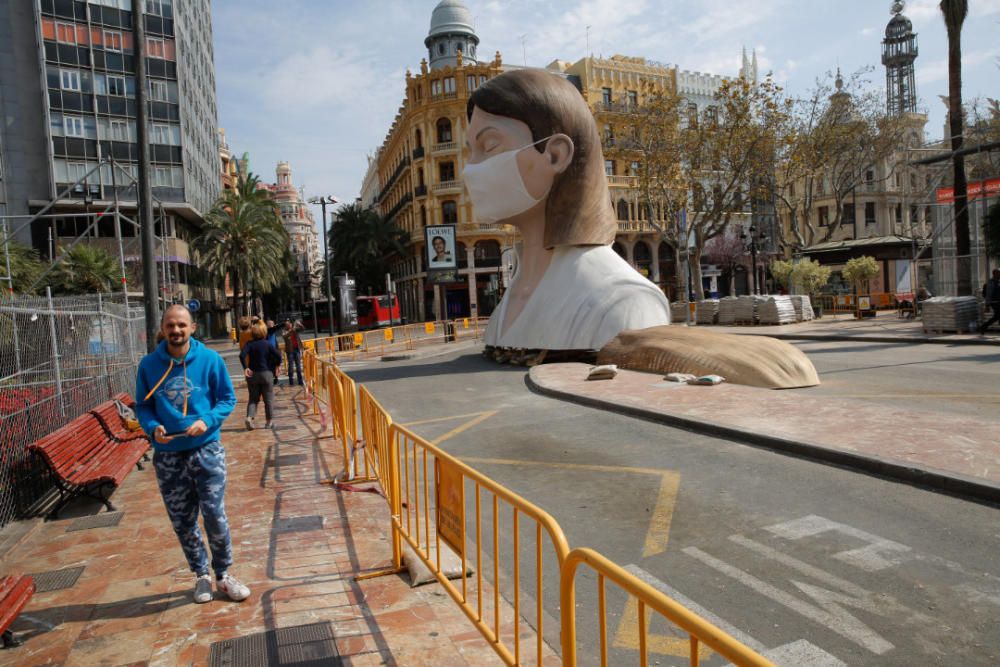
[303, 238]
[67, 88]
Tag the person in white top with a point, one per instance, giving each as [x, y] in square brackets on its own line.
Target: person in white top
[534, 161]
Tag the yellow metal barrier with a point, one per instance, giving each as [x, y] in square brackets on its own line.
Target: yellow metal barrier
[432, 502]
[699, 630]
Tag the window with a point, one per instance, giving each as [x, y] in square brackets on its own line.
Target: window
[441, 48]
[622, 209]
[914, 215]
[633, 169]
[69, 79]
[606, 95]
[73, 126]
[436, 87]
[712, 115]
[116, 85]
[899, 214]
[119, 130]
[449, 212]
[470, 82]
[848, 217]
[113, 41]
[156, 48]
[161, 176]
[609, 135]
[443, 131]
[913, 181]
[870, 213]
[870, 176]
[609, 167]
[449, 84]
[158, 90]
[158, 7]
[482, 79]
[472, 50]
[159, 134]
[824, 216]
[66, 33]
[446, 172]
[75, 171]
[633, 98]
[693, 114]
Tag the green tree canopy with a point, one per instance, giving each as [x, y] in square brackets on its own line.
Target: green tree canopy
[860, 270]
[361, 242]
[25, 267]
[86, 269]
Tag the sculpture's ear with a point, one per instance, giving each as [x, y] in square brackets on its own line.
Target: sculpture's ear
[560, 150]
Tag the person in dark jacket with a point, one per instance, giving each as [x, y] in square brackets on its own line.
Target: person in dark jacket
[991, 293]
[260, 360]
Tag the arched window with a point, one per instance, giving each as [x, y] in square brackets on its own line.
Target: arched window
[643, 258]
[443, 131]
[449, 212]
[622, 209]
[618, 248]
[487, 253]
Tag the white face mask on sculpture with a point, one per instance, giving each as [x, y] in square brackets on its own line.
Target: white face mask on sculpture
[496, 187]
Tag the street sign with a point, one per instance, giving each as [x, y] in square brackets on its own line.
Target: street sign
[194, 305]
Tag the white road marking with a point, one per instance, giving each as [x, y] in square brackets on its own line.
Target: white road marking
[800, 653]
[830, 615]
[878, 554]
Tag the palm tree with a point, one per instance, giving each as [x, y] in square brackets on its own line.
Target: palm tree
[954, 12]
[85, 269]
[243, 238]
[360, 242]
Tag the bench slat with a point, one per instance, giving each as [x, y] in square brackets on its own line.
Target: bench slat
[15, 592]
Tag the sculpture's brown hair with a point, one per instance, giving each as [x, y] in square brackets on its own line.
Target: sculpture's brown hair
[578, 210]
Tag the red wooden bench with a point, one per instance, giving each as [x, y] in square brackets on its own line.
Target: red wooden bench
[86, 460]
[107, 414]
[15, 591]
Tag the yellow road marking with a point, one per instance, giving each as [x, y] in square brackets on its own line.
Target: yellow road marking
[627, 636]
[569, 466]
[483, 416]
[658, 532]
[445, 419]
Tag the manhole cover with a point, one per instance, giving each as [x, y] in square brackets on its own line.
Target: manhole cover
[56, 580]
[103, 520]
[302, 645]
[289, 460]
[296, 524]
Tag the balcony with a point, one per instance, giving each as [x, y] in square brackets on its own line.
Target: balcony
[634, 227]
[447, 186]
[418, 152]
[623, 181]
[420, 191]
[473, 228]
[445, 147]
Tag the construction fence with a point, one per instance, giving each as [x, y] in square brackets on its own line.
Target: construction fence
[59, 357]
[464, 525]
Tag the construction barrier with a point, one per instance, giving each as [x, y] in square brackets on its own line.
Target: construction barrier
[444, 510]
[646, 598]
[852, 303]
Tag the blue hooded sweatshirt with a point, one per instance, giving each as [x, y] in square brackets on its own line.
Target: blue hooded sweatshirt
[175, 393]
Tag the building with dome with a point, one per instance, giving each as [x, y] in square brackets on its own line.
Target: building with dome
[303, 238]
[452, 32]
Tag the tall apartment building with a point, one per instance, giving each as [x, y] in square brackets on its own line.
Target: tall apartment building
[301, 227]
[67, 94]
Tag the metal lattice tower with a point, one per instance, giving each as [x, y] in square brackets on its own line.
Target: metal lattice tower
[899, 50]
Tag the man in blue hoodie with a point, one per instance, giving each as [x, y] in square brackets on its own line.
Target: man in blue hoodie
[183, 394]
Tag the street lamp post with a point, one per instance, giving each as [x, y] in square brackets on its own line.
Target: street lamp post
[323, 201]
[754, 238]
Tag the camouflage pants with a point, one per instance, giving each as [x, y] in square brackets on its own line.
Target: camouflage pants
[190, 481]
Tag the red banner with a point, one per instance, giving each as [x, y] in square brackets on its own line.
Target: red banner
[989, 188]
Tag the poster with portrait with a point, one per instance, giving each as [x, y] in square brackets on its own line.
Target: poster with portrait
[440, 244]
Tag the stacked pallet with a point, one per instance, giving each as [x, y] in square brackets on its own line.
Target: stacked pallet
[679, 312]
[803, 308]
[950, 314]
[747, 307]
[776, 310]
[707, 311]
[727, 309]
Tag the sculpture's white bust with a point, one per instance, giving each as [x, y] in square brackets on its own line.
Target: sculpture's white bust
[534, 161]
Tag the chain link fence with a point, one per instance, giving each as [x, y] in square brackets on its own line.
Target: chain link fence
[59, 357]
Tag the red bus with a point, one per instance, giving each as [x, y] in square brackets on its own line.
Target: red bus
[375, 312]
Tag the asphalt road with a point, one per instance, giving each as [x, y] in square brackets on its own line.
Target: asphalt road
[808, 563]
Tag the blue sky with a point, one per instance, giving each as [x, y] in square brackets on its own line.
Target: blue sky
[318, 82]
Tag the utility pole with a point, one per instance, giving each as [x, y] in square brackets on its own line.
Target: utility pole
[145, 191]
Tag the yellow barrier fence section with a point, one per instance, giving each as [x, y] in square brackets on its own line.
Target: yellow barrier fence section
[646, 599]
[430, 511]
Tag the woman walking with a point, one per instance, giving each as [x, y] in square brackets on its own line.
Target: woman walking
[260, 359]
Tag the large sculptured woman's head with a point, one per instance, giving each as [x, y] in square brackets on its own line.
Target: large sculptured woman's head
[577, 208]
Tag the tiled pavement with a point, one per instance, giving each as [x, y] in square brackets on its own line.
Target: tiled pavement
[298, 545]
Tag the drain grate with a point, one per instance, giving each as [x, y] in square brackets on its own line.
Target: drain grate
[297, 524]
[289, 460]
[103, 520]
[57, 580]
[302, 645]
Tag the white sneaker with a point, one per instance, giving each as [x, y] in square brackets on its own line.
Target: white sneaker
[203, 589]
[232, 588]
[248, 422]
